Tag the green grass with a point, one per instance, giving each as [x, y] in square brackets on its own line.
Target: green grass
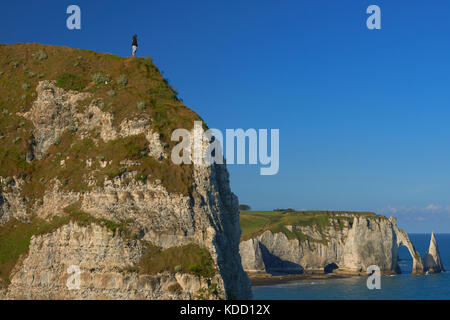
[207, 293]
[191, 258]
[70, 81]
[175, 178]
[254, 223]
[100, 78]
[75, 214]
[122, 80]
[15, 239]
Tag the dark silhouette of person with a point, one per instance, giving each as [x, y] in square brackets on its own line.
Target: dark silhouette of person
[134, 45]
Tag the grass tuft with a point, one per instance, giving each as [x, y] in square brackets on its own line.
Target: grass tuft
[100, 78]
[187, 259]
[40, 55]
[69, 81]
[141, 105]
[122, 80]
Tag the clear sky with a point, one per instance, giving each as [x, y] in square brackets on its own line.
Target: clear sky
[363, 114]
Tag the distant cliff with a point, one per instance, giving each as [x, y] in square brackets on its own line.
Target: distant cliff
[322, 242]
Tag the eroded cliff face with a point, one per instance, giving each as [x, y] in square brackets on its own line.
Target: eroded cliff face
[152, 215]
[105, 261]
[348, 247]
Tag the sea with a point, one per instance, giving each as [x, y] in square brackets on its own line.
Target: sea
[405, 286]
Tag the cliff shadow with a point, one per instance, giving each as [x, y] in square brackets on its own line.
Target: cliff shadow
[276, 266]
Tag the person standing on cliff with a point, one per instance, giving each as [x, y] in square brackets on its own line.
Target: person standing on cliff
[134, 44]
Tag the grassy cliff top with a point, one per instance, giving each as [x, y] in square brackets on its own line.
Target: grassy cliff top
[254, 223]
[126, 88]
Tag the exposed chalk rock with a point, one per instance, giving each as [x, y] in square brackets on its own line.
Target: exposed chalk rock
[432, 260]
[352, 249]
[251, 256]
[103, 260]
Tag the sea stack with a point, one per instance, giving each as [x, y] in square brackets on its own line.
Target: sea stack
[433, 262]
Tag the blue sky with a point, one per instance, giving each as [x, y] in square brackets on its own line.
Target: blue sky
[363, 115]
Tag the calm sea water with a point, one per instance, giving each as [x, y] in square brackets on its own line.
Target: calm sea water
[403, 286]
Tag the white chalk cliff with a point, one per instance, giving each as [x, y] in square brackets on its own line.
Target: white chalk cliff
[432, 261]
[351, 248]
[205, 217]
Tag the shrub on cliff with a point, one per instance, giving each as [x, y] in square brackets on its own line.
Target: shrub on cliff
[244, 207]
[187, 259]
[40, 55]
[70, 81]
[122, 80]
[100, 78]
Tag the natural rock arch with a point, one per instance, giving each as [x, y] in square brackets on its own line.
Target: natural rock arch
[403, 240]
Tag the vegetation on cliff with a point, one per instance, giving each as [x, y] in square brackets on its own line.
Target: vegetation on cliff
[122, 87]
[186, 259]
[15, 239]
[255, 223]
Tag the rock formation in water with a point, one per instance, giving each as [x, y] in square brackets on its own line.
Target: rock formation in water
[432, 261]
[88, 190]
[346, 243]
